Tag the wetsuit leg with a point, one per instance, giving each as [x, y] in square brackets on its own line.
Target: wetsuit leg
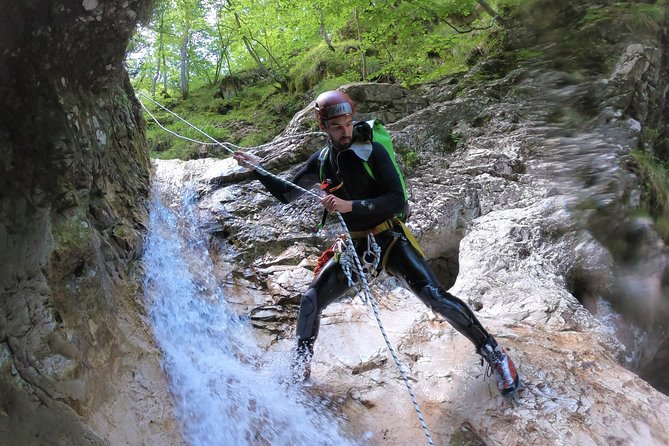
[412, 270]
[330, 285]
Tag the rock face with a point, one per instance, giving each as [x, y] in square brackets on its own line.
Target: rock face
[522, 189]
[523, 199]
[77, 361]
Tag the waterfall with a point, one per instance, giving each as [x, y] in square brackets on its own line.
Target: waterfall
[226, 390]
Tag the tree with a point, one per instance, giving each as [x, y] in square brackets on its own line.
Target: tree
[160, 66]
[199, 40]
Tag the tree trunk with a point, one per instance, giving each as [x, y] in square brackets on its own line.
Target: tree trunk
[263, 68]
[323, 31]
[156, 77]
[184, 65]
[165, 76]
[492, 12]
[159, 56]
[362, 49]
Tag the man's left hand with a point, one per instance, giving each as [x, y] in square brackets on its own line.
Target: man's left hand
[333, 204]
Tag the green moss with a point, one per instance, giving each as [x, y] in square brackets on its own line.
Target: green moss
[411, 159]
[336, 82]
[526, 54]
[634, 15]
[320, 64]
[654, 176]
[71, 231]
[649, 136]
[251, 118]
[452, 140]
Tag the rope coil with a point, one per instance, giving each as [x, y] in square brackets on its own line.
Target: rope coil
[367, 294]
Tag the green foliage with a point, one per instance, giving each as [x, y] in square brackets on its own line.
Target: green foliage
[320, 64]
[252, 64]
[406, 42]
[252, 118]
[655, 194]
[335, 82]
[525, 54]
[649, 135]
[633, 15]
[411, 159]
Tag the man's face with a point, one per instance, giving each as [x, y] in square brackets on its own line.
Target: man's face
[340, 131]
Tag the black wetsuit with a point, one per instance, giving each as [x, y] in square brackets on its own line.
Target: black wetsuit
[375, 200]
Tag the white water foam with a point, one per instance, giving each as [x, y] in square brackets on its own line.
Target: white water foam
[226, 390]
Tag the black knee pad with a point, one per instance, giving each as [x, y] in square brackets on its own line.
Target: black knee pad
[455, 311]
[308, 319]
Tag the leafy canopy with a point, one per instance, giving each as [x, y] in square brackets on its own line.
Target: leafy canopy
[294, 49]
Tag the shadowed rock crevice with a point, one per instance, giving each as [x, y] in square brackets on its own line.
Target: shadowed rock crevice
[76, 358]
[585, 289]
[446, 267]
[655, 371]
[465, 436]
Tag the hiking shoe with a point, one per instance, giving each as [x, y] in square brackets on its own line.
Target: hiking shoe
[501, 365]
[301, 366]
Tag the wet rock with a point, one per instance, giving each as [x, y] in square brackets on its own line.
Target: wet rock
[523, 182]
[503, 190]
[78, 364]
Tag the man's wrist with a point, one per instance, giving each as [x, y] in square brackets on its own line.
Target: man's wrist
[259, 171]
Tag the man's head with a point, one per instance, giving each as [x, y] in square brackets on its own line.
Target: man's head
[334, 111]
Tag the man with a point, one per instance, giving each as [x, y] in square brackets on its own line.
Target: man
[370, 204]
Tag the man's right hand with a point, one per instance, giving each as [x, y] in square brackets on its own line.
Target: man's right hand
[246, 160]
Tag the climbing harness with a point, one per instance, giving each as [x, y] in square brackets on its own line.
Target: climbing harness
[348, 255]
[371, 257]
[369, 260]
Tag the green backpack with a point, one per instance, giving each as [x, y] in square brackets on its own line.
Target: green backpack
[377, 133]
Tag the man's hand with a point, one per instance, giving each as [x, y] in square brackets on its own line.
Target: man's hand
[246, 160]
[333, 204]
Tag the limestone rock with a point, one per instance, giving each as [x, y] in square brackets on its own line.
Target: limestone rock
[518, 211]
[522, 196]
[78, 364]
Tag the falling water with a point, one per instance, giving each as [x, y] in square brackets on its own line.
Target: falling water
[226, 390]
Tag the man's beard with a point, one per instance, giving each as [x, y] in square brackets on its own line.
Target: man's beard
[339, 146]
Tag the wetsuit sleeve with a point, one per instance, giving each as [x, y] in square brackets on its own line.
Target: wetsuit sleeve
[391, 201]
[284, 192]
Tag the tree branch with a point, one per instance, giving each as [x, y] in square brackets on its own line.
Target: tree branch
[492, 12]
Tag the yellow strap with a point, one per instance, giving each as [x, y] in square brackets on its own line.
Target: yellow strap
[375, 230]
[388, 224]
[410, 237]
[385, 256]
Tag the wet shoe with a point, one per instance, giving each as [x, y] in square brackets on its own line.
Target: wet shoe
[502, 366]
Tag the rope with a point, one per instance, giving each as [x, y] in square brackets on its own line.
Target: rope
[369, 267]
[349, 247]
[345, 261]
[369, 297]
[215, 142]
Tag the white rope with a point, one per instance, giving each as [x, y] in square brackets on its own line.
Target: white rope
[346, 259]
[215, 142]
[349, 247]
[370, 298]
